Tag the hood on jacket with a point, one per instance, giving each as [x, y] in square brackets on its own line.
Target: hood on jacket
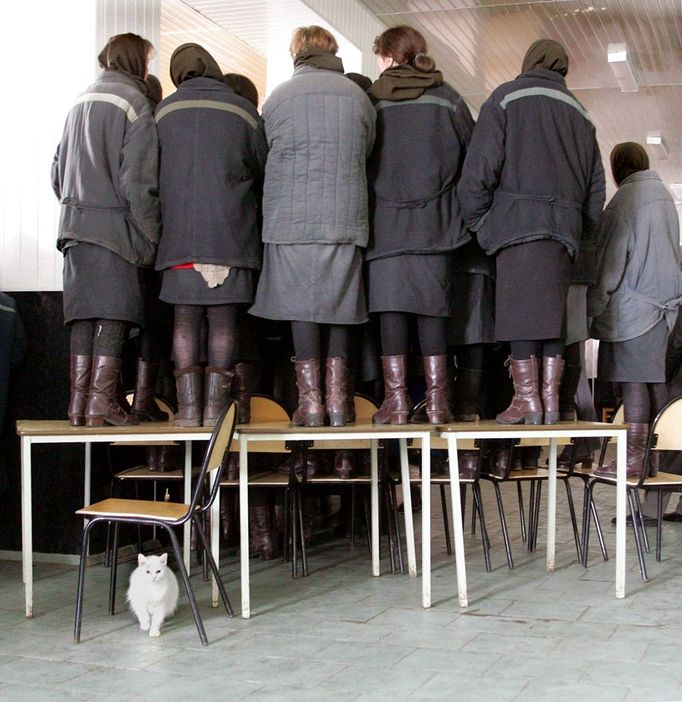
[546, 53]
[127, 54]
[193, 61]
[319, 59]
[628, 158]
[404, 82]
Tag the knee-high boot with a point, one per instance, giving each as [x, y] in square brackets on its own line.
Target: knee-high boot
[80, 374]
[552, 370]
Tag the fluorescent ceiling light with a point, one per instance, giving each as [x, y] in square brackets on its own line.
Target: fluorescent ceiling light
[657, 145]
[622, 68]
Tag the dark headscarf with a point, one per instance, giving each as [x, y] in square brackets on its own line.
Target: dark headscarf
[193, 61]
[628, 158]
[242, 86]
[154, 90]
[546, 53]
[319, 59]
[127, 54]
[404, 82]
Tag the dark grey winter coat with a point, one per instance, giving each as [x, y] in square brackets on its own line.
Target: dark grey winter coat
[639, 280]
[533, 169]
[213, 154]
[105, 171]
[320, 130]
[413, 174]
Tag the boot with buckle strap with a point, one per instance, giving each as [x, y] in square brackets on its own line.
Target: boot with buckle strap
[103, 406]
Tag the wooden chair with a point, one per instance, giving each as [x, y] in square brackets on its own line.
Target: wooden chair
[168, 516]
[665, 435]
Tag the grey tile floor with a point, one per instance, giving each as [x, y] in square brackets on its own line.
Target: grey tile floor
[341, 634]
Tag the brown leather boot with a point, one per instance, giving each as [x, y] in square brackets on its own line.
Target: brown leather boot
[396, 405]
[189, 384]
[246, 377]
[567, 390]
[261, 532]
[436, 376]
[466, 395]
[638, 435]
[336, 387]
[526, 406]
[103, 407]
[552, 370]
[468, 463]
[144, 406]
[80, 373]
[310, 410]
[217, 384]
[344, 464]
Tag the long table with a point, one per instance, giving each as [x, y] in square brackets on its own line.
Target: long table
[553, 432]
[57, 431]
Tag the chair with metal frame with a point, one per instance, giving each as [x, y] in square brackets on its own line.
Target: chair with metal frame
[664, 435]
[168, 516]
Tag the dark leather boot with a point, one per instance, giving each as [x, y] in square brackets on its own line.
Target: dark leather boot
[567, 391]
[217, 384]
[310, 410]
[167, 458]
[526, 406]
[466, 395]
[80, 373]
[344, 464]
[468, 463]
[638, 435]
[261, 531]
[144, 406]
[103, 407]
[246, 378]
[336, 388]
[189, 384]
[150, 457]
[497, 461]
[436, 376]
[350, 397]
[396, 405]
[552, 370]
[527, 458]
[232, 468]
[583, 455]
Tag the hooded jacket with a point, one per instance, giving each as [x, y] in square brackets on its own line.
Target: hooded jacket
[213, 153]
[105, 171]
[422, 137]
[639, 280]
[320, 131]
[533, 169]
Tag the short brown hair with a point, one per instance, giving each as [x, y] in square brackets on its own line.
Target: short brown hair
[404, 45]
[312, 37]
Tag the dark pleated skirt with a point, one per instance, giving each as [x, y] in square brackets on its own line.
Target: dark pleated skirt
[638, 360]
[531, 293]
[413, 283]
[185, 286]
[319, 283]
[473, 310]
[576, 314]
[98, 284]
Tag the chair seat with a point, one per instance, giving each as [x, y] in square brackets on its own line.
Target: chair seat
[269, 479]
[661, 480]
[135, 509]
[144, 473]
[525, 474]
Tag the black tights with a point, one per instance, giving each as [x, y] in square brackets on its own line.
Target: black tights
[549, 348]
[99, 337]
[308, 340]
[222, 331]
[643, 401]
[432, 331]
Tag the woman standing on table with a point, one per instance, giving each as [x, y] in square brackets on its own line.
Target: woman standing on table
[423, 128]
[105, 174]
[531, 185]
[634, 303]
[320, 130]
[213, 153]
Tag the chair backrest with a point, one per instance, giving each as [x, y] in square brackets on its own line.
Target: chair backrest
[617, 417]
[214, 458]
[265, 410]
[666, 431]
[365, 407]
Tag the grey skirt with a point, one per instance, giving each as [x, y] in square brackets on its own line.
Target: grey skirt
[532, 287]
[473, 310]
[319, 283]
[185, 286]
[99, 284]
[414, 283]
[638, 360]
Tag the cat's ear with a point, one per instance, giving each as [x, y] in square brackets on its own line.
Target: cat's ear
[164, 558]
[141, 560]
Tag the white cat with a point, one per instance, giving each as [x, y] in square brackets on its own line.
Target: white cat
[153, 592]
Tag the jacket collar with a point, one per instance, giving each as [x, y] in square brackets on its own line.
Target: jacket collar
[640, 176]
[108, 77]
[202, 83]
[546, 74]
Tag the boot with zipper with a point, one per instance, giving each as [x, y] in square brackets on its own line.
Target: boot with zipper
[396, 405]
[552, 370]
[336, 389]
[80, 374]
[189, 385]
[436, 376]
[217, 384]
[103, 407]
[310, 410]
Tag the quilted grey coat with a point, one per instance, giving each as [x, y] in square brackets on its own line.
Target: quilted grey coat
[320, 130]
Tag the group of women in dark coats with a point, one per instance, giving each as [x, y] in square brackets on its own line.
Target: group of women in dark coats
[389, 201]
